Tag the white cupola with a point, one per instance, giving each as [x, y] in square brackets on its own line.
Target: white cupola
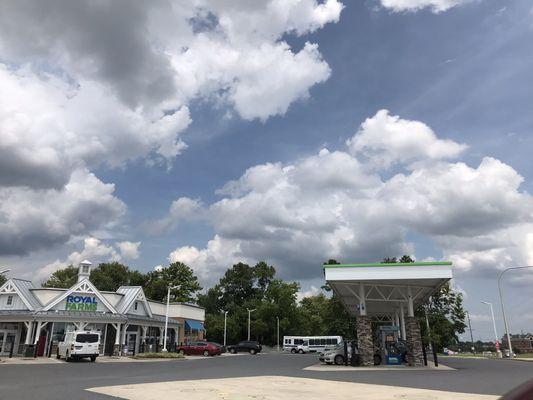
[84, 270]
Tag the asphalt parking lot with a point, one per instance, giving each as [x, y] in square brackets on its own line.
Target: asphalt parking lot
[70, 380]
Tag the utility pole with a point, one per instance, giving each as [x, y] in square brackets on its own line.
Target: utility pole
[225, 320]
[471, 335]
[249, 313]
[277, 318]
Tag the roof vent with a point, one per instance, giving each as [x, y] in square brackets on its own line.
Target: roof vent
[84, 270]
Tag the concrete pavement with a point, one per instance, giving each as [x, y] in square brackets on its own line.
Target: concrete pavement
[277, 387]
[70, 380]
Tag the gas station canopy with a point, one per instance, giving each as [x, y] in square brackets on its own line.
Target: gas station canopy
[382, 289]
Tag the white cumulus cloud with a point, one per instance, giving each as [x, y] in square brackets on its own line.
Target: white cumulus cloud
[89, 84]
[338, 204]
[388, 139]
[436, 6]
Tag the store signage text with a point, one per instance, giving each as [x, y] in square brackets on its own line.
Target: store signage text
[81, 303]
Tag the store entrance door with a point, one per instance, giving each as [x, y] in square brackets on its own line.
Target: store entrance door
[41, 344]
[131, 341]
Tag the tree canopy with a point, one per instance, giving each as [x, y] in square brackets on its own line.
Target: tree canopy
[63, 278]
[3, 280]
[258, 288]
[177, 275]
[110, 276]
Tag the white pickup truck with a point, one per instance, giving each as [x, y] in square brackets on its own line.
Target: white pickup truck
[79, 344]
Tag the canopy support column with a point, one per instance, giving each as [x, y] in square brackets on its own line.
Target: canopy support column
[402, 321]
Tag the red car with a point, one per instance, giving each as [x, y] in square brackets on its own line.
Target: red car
[199, 348]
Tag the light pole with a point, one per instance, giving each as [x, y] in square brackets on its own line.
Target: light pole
[277, 319]
[498, 351]
[503, 307]
[166, 319]
[249, 314]
[225, 319]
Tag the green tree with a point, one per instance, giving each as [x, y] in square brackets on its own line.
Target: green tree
[3, 280]
[406, 259]
[237, 285]
[110, 276]
[446, 317]
[63, 278]
[337, 320]
[178, 275]
[254, 287]
[137, 278]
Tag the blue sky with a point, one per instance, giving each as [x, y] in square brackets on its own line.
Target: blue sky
[457, 84]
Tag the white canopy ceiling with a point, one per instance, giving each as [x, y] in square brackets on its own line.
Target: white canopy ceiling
[382, 288]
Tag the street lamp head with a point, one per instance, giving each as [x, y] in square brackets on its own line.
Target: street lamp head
[486, 302]
[5, 271]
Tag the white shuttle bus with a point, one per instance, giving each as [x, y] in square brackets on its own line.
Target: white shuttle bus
[305, 344]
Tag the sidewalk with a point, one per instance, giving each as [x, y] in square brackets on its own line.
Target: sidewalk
[381, 368]
[100, 359]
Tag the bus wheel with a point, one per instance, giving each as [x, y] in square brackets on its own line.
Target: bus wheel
[300, 351]
[293, 351]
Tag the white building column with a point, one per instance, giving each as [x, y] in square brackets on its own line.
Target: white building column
[117, 333]
[38, 332]
[176, 336]
[124, 329]
[29, 326]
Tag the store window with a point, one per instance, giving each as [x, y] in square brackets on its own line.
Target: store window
[136, 305]
[9, 300]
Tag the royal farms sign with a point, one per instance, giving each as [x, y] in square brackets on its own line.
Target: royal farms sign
[81, 303]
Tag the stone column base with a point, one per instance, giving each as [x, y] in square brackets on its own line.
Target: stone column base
[53, 351]
[364, 340]
[415, 356]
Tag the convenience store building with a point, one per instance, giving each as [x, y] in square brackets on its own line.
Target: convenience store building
[34, 319]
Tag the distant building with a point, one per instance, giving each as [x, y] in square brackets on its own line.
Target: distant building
[522, 343]
[34, 319]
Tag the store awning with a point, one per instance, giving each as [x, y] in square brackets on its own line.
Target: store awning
[192, 324]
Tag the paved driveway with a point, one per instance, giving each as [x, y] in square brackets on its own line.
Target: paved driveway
[69, 380]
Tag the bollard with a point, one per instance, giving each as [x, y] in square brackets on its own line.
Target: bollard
[435, 360]
[345, 353]
[425, 355]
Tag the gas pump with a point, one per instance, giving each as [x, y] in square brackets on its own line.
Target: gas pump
[391, 353]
